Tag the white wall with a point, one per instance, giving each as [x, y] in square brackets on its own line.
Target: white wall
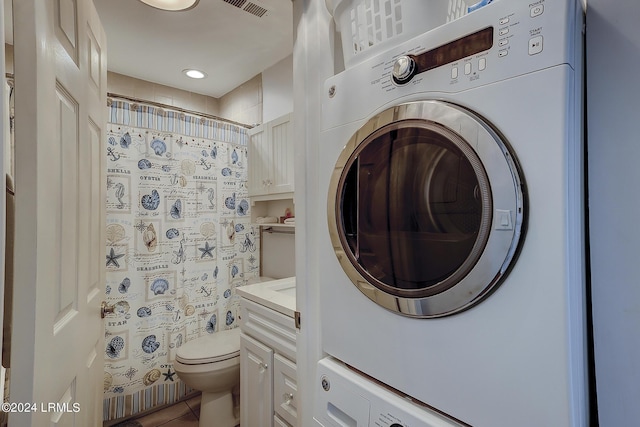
[244, 103]
[278, 253]
[262, 98]
[312, 65]
[120, 84]
[613, 93]
[277, 90]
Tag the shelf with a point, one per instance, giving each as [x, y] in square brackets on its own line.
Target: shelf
[277, 224]
[270, 197]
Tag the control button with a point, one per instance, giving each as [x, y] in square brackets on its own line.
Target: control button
[536, 10]
[504, 21]
[467, 68]
[482, 64]
[535, 45]
[503, 52]
[503, 220]
[454, 73]
[503, 42]
[503, 31]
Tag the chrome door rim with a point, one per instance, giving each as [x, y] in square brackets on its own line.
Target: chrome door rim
[507, 194]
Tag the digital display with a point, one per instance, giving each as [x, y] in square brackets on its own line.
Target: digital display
[453, 51]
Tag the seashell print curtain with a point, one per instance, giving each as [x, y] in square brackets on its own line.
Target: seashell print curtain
[179, 241]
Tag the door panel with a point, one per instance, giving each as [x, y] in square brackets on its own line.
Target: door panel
[256, 383]
[66, 26]
[259, 159]
[67, 186]
[285, 389]
[282, 155]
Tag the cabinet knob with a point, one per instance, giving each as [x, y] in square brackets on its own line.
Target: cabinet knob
[287, 398]
[263, 367]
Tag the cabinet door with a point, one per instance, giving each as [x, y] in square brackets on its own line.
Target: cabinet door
[260, 161]
[256, 383]
[281, 134]
[285, 389]
[279, 422]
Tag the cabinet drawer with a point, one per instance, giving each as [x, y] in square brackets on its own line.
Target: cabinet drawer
[285, 389]
[269, 327]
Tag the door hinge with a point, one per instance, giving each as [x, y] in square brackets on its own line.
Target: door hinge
[296, 317]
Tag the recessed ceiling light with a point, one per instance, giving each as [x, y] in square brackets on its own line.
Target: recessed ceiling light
[195, 74]
[172, 5]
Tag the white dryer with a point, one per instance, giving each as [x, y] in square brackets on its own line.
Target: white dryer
[452, 250]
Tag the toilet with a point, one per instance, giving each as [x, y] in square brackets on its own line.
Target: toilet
[211, 364]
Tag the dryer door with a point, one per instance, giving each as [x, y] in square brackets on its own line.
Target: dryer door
[426, 209]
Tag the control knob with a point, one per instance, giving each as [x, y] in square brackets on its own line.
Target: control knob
[404, 69]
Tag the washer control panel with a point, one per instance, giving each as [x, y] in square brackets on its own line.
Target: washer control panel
[498, 42]
[348, 398]
[406, 66]
[513, 33]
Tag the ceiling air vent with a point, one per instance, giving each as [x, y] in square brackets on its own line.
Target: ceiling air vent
[255, 9]
[248, 7]
[236, 3]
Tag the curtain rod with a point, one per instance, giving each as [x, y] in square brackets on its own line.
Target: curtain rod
[10, 76]
[181, 110]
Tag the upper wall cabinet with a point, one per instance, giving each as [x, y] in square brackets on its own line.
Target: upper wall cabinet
[271, 160]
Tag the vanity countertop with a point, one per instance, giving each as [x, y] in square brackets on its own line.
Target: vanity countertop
[278, 295]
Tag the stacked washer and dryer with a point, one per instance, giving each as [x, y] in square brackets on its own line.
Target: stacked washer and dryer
[452, 250]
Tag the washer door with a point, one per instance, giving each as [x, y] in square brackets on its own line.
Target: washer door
[426, 209]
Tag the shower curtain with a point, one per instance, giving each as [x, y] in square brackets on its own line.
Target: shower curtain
[179, 242]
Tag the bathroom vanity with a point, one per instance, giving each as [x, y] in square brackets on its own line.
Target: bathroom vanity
[268, 383]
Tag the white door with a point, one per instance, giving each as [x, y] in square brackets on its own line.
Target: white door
[60, 110]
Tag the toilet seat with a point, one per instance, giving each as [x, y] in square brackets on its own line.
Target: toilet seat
[216, 347]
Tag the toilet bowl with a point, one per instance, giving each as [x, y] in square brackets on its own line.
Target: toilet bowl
[211, 364]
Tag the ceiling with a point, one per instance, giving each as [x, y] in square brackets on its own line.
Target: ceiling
[219, 37]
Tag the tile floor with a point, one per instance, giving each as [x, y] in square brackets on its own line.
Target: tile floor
[181, 414]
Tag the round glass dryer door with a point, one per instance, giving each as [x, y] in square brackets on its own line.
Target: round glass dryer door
[426, 209]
